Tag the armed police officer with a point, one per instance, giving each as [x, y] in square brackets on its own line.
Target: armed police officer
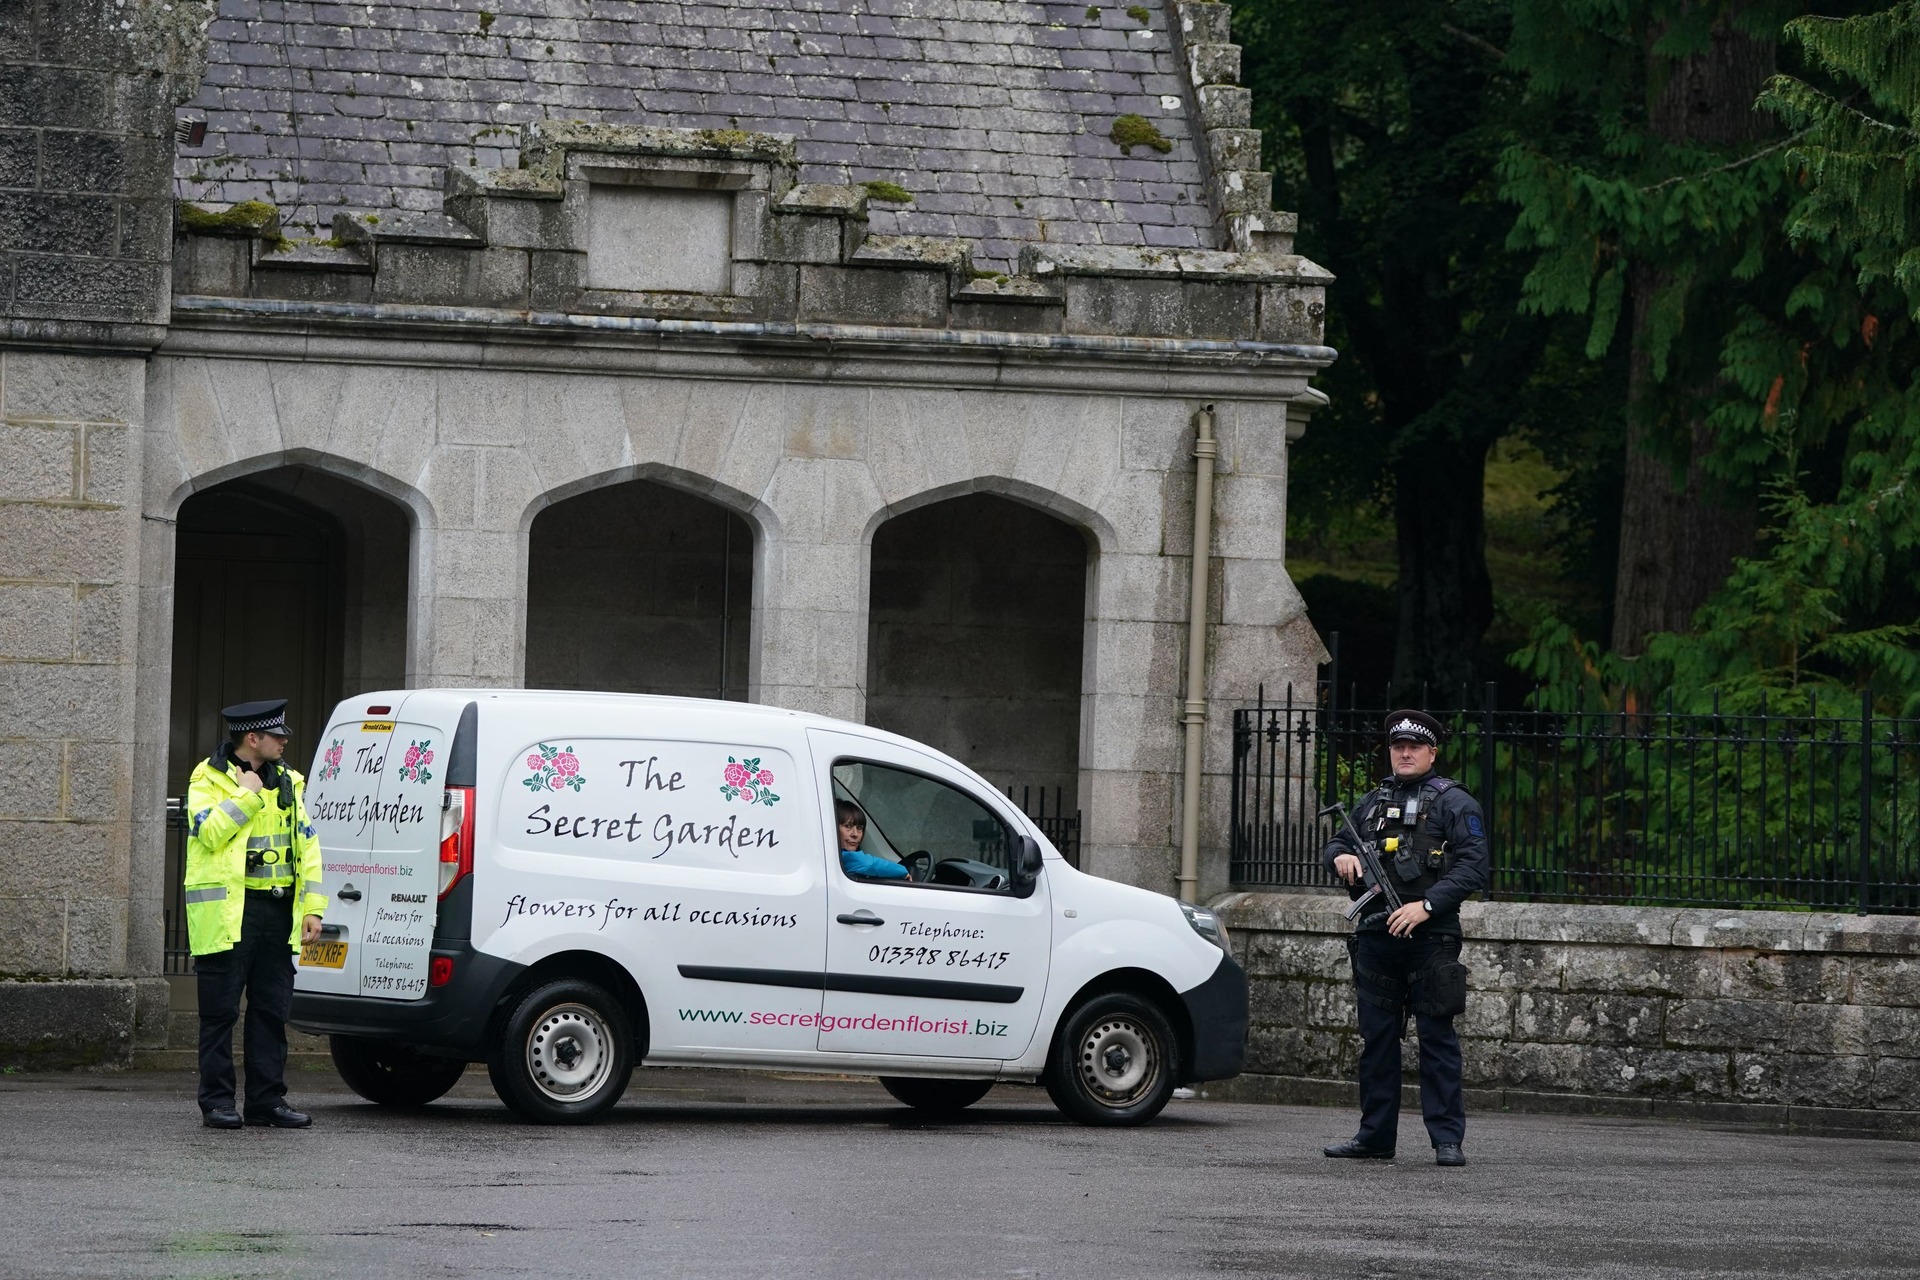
[252, 897]
[1428, 837]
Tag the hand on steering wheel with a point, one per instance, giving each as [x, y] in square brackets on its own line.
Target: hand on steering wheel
[919, 865]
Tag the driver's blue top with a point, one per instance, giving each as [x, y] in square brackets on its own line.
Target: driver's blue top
[856, 863]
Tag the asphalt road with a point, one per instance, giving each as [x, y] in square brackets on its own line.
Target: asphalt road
[722, 1174]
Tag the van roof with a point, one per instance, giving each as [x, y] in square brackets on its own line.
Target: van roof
[727, 707]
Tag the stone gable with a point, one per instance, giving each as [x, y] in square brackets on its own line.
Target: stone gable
[995, 115]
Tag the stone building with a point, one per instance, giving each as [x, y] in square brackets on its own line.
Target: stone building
[846, 357]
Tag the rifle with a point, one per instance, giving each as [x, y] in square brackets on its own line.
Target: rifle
[1378, 883]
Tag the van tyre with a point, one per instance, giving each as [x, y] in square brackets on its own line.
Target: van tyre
[393, 1075]
[1114, 1062]
[565, 1053]
[935, 1097]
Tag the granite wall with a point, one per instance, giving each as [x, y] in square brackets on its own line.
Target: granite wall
[1792, 1018]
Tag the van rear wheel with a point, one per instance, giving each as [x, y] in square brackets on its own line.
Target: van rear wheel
[935, 1097]
[393, 1075]
[565, 1055]
[1113, 1062]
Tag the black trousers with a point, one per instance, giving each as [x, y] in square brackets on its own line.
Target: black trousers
[261, 965]
[1441, 1102]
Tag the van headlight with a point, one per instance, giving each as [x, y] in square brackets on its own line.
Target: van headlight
[1207, 925]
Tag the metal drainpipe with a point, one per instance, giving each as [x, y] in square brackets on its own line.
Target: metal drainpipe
[1193, 712]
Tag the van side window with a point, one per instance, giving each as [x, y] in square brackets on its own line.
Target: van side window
[940, 834]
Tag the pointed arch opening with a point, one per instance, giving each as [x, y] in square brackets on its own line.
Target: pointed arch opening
[976, 632]
[639, 587]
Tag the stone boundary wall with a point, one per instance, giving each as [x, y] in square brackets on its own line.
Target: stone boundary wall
[1791, 1018]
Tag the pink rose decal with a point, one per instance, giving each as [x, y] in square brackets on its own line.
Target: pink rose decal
[414, 767]
[551, 768]
[330, 762]
[746, 781]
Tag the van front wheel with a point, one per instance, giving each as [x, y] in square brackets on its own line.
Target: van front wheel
[392, 1075]
[1113, 1062]
[566, 1054]
[936, 1097]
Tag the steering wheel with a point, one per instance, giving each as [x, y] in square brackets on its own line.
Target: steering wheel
[919, 865]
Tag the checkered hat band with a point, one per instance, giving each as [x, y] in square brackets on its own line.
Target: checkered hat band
[258, 723]
[1413, 727]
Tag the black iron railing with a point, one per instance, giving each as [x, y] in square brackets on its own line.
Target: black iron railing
[1817, 809]
[178, 957]
[1055, 823]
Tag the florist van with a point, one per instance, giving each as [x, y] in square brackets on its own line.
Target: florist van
[565, 885]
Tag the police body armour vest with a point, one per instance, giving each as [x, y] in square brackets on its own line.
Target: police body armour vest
[1417, 844]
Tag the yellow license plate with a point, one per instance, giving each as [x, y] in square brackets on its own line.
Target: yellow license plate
[323, 955]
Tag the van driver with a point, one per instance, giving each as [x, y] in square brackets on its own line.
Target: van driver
[852, 824]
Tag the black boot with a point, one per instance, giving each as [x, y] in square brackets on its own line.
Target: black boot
[1352, 1149]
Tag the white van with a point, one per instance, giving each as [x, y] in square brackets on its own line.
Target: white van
[565, 885]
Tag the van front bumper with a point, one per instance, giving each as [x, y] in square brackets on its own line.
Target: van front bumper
[1217, 1010]
[450, 1020]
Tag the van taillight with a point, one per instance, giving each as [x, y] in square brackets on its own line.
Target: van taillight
[456, 837]
[440, 971]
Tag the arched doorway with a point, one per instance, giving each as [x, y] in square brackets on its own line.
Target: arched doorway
[975, 633]
[288, 583]
[640, 588]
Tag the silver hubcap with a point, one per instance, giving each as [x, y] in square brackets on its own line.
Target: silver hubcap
[1119, 1063]
[569, 1053]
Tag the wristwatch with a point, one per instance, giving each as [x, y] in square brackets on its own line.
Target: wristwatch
[1428, 904]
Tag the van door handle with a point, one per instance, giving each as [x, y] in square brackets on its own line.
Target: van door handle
[860, 917]
[347, 893]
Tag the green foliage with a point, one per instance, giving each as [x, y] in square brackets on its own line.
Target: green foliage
[1859, 153]
[1140, 14]
[1130, 131]
[1781, 314]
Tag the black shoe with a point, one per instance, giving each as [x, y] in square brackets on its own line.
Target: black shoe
[1353, 1149]
[220, 1118]
[1449, 1154]
[279, 1117]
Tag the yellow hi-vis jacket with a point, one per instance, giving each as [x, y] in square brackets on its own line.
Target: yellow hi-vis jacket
[224, 822]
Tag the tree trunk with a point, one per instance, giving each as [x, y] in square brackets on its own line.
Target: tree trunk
[1446, 594]
[1678, 535]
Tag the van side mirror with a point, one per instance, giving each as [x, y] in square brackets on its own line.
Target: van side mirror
[1026, 860]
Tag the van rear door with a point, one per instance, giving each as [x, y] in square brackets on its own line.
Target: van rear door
[403, 890]
[342, 787]
[379, 823]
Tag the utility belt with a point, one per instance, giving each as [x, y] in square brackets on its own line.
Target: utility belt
[1438, 989]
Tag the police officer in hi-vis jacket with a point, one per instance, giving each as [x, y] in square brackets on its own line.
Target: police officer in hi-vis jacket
[252, 897]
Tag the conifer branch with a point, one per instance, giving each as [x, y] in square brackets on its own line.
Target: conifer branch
[1730, 165]
[1487, 47]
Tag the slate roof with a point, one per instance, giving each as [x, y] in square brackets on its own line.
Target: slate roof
[995, 114]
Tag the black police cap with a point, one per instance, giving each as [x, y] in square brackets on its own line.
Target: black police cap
[1414, 726]
[268, 716]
